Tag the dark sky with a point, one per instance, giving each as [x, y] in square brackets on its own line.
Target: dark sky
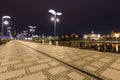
[79, 16]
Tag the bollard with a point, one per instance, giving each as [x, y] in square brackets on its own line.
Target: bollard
[50, 42]
[116, 48]
[56, 43]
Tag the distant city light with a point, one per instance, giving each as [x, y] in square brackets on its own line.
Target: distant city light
[85, 36]
[99, 36]
[116, 35]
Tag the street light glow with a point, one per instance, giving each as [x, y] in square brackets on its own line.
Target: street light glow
[6, 22]
[6, 17]
[99, 36]
[85, 36]
[52, 19]
[59, 13]
[57, 20]
[52, 11]
[30, 26]
[116, 35]
[30, 29]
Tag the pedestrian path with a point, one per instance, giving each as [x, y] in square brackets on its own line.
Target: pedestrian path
[20, 60]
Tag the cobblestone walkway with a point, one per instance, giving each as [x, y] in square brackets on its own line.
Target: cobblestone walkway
[21, 60]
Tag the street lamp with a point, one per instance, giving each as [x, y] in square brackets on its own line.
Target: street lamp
[55, 19]
[32, 29]
[25, 33]
[4, 23]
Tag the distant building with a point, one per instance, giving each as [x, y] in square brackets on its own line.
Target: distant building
[92, 36]
[115, 34]
[72, 36]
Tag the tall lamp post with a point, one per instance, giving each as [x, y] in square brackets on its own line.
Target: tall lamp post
[55, 19]
[32, 29]
[25, 33]
[4, 22]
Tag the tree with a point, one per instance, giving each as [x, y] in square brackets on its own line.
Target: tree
[14, 34]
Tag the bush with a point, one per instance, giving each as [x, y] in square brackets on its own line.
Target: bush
[3, 41]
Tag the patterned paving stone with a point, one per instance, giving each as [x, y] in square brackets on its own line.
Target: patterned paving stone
[105, 60]
[97, 64]
[43, 60]
[96, 56]
[111, 74]
[12, 74]
[75, 57]
[4, 60]
[30, 59]
[17, 59]
[108, 57]
[53, 63]
[10, 62]
[37, 76]
[62, 79]
[3, 68]
[67, 59]
[90, 68]
[76, 76]
[79, 62]
[115, 65]
[61, 56]
[83, 55]
[118, 60]
[57, 70]
[22, 65]
[38, 67]
[88, 58]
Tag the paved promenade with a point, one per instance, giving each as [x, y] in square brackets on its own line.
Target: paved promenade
[21, 60]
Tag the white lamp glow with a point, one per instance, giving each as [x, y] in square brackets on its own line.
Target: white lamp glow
[6, 22]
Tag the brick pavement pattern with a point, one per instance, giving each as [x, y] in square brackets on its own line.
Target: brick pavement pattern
[21, 60]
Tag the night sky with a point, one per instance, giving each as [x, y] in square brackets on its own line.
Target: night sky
[79, 16]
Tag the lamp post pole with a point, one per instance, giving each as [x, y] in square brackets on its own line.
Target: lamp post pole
[32, 29]
[55, 25]
[2, 27]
